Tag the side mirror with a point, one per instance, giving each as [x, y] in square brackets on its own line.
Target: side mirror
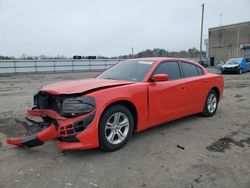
[160, 78]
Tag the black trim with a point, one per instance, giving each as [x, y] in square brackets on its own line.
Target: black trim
[31, 141]
[78, 127]
[68, 139]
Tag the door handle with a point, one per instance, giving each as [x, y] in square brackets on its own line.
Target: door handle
[183, 87]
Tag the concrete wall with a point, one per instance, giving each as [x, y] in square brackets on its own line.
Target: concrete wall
[225, 41]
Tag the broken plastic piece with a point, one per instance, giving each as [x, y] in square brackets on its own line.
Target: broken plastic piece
[181, 147]
[37, 139]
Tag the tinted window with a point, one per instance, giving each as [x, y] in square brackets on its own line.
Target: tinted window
[200, 71]
[189, 70]
[169, 68]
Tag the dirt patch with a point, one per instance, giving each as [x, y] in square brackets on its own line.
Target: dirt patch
[225, 143]
[238, 96]
[241, 86]
[222, 144]
[10, 128]
[240, 100]
[247, 141]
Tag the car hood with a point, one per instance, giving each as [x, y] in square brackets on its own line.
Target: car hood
[230, 66]
[81, 86]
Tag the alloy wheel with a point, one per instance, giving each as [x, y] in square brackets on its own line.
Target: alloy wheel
[211, 102]
[117, 128]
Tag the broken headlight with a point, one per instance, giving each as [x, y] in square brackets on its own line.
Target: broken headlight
[237, 67]
[76, 106]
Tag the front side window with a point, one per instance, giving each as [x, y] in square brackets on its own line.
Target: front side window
[170, 68]
[189, 70]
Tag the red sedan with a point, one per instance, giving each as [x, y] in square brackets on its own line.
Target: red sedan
[128, 97]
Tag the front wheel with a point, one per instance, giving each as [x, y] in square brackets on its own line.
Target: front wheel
[211, 104]
[115, 128]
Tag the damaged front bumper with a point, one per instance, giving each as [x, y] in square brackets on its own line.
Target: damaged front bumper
[72, 133]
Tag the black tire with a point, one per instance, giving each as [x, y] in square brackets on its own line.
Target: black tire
[206, 111]
[108, 114]
[222, 72]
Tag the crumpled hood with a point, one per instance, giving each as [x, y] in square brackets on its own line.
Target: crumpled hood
[81, 86]
[230, 66]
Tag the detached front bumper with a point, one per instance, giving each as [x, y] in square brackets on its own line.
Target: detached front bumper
[72, 133]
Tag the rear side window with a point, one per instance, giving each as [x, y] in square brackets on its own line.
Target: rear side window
[200, 71]
[170, 68]
[189, 70]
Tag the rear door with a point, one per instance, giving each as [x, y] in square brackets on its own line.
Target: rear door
[196, 86]
[167, 100]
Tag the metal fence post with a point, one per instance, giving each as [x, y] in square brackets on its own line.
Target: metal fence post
[35, 67]
[54, 63]
[105, 63]
[89, 65]
[73, 69]
[14, 66]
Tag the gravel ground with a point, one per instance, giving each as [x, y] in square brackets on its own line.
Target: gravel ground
[212, 152]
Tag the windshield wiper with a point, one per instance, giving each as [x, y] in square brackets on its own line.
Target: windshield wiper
[111, 78]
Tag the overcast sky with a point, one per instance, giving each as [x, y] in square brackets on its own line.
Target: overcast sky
[109, 27]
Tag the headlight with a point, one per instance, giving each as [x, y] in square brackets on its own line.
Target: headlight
[237, 67]
[72, 107]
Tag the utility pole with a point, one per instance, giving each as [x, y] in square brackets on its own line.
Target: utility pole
[202, 16]
[220, 19]
[132, 50]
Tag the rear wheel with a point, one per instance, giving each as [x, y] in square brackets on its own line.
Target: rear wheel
[115, 128]
[211, 104]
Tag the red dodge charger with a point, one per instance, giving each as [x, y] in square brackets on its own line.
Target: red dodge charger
[129, 97]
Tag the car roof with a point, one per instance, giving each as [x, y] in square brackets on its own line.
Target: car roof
[160, 59]
[236, 58]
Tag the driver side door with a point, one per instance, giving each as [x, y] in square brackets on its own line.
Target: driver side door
[167, 99]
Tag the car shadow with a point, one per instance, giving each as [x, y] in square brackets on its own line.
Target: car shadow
[50, 150]
[182, 123]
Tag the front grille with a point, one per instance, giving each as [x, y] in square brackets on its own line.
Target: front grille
[77, 127]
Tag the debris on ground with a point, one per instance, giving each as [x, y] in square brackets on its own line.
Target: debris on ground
[197, 180]
[181, 147]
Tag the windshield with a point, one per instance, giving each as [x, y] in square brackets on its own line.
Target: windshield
[233, 61]
[128, 70]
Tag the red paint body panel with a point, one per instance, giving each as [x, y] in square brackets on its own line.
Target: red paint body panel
[155, 102]
[80, 86]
